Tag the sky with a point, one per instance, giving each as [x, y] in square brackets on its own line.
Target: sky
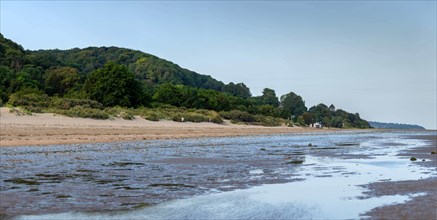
[377, 58]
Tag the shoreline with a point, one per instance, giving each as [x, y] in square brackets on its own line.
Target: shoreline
[68, 166]
[420, 207]
[51, 129]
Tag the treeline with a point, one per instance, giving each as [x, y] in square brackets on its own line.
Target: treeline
[382, 125]
[112, 76]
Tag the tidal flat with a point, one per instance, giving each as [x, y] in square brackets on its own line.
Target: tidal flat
[286, 176]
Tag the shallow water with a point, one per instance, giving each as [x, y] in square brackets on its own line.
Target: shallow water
[279, 176]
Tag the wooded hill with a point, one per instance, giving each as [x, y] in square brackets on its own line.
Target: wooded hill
[98, 78]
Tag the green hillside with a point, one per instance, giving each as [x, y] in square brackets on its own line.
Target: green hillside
[98, 79]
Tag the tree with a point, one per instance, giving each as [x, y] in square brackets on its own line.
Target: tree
[61, 79]
[114, 85]
[300, 120]
[239, 90]
[168, 93]
[320, 111]
[269, 98]
[337, 122]
[267, 110]
[326, 122]
[292, 105]
[11, 54]
[308, 118]
[24, 79]
[332, 108]
[6, 79]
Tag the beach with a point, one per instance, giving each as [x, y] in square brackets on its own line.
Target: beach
[423, 207]
[123, 165]
[48, 129]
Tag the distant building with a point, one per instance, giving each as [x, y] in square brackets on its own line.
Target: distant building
[318, 125]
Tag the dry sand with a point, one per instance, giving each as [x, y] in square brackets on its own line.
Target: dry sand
[47, 128]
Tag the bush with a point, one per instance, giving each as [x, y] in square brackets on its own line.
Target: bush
[30, 99]
[191, 117]
[82, 112]
[239, 116]
[194, 117]
[152, 117]
[268, 120]
[127, 115]
[120, 112]
[67, 103]
[216, 119]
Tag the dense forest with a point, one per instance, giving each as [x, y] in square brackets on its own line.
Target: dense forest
[100, 82]
[382, 125]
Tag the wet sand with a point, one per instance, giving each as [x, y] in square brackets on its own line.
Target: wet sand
[48, 129]
[45, 129]
[421, 207]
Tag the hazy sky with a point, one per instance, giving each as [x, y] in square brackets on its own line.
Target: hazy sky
[377, 58]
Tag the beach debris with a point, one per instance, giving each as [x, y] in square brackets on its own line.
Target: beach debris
[62, 196]
[413, 159]
[433, 152]
[23, 181]
[295, 162]
[347, 144]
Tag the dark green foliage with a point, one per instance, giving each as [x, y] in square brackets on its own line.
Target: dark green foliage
[349, 120]
[6, 79]
[169, 94]
[11, 54]
[114, 85]
[292, 105]
[189, 97]
[337, 122]
[308, 118]
[320, 111]
[145, 67]
[239, 90]
[300, 120]
[27, 77]
[236, 116]
[159, 71]
[267, 110]
[269, 98]
[330, 117]
[60, 80]
[80, 82]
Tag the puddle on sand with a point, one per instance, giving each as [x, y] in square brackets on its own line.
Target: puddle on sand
[331, 189]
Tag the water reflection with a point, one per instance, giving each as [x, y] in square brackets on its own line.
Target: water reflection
[127, 176]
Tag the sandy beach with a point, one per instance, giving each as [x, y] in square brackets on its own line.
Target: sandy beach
[47, 129]
[72, 177]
